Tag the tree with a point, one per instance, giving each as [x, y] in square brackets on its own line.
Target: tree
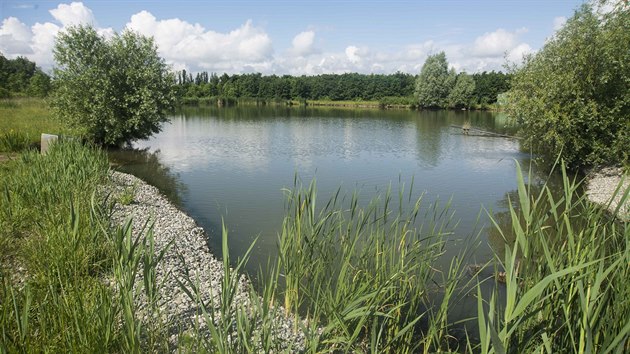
[21, 76]
[39, 85]
[462, 94]
[434, 82]
[114, 90]
[572, 98]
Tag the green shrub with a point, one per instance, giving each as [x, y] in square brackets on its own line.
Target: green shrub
[573, 98]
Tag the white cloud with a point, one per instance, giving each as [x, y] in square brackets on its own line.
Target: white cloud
[559, 22]
[249, 48]
[74, 14]
[43, 42]
[190, 45]
[497, 43]
[302, 44]
[352, 53]
[517, 53]
[14, 37]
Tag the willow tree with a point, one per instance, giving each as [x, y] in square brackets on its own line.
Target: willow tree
[462, 93]
[113, 90]
[435, 82]
[572, 98]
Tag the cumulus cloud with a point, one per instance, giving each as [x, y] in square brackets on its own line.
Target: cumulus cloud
[303, 44]
[36, 42]
[248, 48]
[15, 37]
[497, 43]
[74, 14]
[190, 45]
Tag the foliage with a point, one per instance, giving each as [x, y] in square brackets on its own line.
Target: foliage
[435, 82]
[572, 98]
[350, 86]
[387, 90]
[116, 90]
[566, 270]
[27, 119]
[20, 77]
[462, 94]
[13, 141]
[66, 278]
[489, 85]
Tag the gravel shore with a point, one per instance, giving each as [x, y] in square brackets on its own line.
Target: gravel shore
[601, 187]
[187, 256]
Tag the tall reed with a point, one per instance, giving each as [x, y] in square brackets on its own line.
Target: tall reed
[566, 277]
[365, 273]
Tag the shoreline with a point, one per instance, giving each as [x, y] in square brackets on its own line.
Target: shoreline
[601, 186]
[187, 255]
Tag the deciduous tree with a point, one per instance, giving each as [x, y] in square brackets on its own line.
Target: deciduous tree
[114, 90]
[434, 82]
[462, 94]
[573, 97]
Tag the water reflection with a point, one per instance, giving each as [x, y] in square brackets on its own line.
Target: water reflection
[146, 165]
[234, 163]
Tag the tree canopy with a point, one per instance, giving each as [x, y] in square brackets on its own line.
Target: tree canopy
[572, 97]
[435, 82]
[22, 77]
[114, 90]
[462, 93]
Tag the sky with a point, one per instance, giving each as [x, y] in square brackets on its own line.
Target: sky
[299, 37]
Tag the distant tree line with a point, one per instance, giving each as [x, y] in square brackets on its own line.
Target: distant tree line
[444, 88]
[479, 90]
[21, 77]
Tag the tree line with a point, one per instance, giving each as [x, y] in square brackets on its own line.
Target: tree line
[21, 77]
[482, 90]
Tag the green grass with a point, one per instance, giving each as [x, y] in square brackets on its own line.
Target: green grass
[23, 120]
[59, 255]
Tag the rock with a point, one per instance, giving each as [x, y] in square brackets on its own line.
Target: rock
[601, 187]
[188, 255]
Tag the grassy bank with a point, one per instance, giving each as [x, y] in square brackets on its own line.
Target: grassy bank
[66, 277]
[23, 120]
[360, 277]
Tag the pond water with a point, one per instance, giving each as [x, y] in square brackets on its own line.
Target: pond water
[231, 165]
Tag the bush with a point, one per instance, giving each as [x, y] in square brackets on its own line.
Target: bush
[115, 90]
[572, 97]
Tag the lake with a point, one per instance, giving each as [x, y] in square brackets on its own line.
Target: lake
[231, 165]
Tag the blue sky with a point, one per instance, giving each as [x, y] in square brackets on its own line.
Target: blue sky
[299, 37]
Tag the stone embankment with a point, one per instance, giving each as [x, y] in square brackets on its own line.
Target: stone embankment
[187, 256]
[601, 188]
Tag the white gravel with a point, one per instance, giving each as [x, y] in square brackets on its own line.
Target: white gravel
[601, 187]
[188, 252]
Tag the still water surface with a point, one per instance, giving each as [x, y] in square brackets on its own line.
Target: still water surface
[231, 165]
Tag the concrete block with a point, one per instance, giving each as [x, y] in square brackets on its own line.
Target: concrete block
[46, 142]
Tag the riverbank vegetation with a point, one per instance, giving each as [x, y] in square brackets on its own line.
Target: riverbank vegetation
[572, 98]
[361, 277]
[22, 120]
[113, 90]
